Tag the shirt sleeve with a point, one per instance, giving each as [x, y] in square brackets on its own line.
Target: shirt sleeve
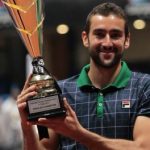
[144, 100]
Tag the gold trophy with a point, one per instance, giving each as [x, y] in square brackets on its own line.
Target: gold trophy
[27, 16]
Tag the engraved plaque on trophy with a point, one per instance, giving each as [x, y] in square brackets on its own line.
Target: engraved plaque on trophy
[27, 16]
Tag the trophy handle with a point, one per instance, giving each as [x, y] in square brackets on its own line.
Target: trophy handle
[43, 132]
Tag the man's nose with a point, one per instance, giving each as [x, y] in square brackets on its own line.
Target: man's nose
[107, 42]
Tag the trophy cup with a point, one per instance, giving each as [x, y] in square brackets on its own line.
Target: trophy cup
[27, 16]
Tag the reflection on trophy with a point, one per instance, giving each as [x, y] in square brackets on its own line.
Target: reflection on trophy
[28, 18]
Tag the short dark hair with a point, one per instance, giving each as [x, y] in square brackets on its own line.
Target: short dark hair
[106, 9]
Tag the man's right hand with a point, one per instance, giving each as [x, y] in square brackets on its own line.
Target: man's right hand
[22, 98]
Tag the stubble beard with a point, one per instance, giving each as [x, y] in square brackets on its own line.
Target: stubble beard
[99, 62]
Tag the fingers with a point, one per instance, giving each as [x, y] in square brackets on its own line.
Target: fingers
[23, 97]
[69, 110]
[28, 90]
[26, 95]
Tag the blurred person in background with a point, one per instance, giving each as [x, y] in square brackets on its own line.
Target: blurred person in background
[107, 104]
[10, 126]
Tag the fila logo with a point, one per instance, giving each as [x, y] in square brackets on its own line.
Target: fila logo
[126, 104]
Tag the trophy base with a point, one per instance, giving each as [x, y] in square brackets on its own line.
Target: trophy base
[32, 117]
[45, 107]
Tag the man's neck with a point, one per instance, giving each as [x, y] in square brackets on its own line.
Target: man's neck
[100, 76]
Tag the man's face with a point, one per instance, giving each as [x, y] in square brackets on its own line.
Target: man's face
[106, 40]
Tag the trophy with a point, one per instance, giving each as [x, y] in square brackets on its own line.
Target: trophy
[27, 16]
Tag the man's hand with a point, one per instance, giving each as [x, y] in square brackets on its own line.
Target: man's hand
[68, 125]
[22, 98]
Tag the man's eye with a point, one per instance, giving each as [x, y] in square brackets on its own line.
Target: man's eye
[100, 35]
[115, 36]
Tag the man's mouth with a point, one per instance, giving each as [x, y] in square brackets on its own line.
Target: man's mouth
[107, 55]
[107, 51]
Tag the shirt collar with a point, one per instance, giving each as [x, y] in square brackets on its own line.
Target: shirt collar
[120, 81]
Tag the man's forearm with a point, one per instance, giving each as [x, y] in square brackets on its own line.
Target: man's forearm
[30, 138]
[97, 142]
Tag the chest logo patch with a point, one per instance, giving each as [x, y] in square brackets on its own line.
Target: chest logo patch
[126, 104]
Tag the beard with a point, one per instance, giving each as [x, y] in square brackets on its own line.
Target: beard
[112, 58]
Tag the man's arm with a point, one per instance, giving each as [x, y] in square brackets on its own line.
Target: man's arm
[31, 140]
[30, 136]
[141, 137]
[71, 128]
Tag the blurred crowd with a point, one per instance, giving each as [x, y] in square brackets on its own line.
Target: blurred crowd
[10, 127]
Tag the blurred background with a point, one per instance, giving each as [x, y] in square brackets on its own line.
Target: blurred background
[64, 53]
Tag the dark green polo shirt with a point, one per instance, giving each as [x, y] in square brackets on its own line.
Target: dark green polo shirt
[110, 112]
[120, 82]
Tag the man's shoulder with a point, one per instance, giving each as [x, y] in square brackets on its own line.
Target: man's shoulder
[140, 75]
[69, 82]
[140, 78]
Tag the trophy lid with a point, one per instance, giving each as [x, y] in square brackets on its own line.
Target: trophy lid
[38, 61]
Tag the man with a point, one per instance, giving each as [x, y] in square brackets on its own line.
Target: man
[110, 105]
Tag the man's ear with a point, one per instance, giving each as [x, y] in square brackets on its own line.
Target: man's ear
[127, 42]
[85, 39]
